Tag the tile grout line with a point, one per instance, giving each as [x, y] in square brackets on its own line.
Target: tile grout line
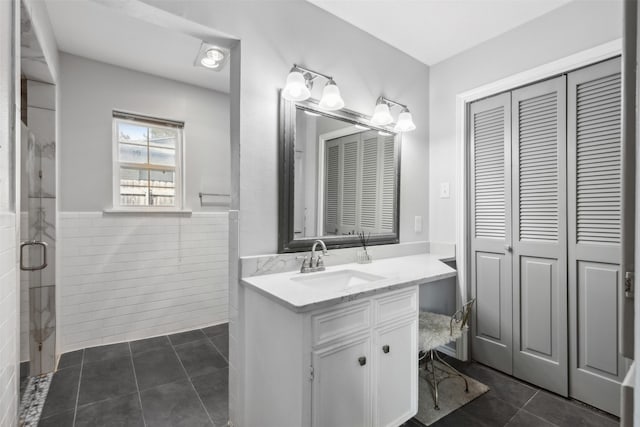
[216, 347]
[512, 417]
[75, 409]
[189, 378]
[135, 378]
[530, 399]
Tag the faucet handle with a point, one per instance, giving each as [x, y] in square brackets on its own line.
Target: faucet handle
[305, 263]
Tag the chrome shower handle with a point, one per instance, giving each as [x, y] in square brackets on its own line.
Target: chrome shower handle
[44, 255]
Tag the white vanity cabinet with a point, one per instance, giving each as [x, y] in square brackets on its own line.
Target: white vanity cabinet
[351, 364]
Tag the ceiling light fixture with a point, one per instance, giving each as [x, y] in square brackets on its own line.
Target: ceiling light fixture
[300, 82]
[382, 115]
[211, 57]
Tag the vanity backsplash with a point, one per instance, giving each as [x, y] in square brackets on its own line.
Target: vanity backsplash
[258, 265]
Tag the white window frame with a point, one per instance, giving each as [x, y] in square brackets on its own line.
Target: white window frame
[138, 119]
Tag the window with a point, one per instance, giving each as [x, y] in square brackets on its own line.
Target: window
[147, 156]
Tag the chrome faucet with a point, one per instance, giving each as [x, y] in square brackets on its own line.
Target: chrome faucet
[315, 263]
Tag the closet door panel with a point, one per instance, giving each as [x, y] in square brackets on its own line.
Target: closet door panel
[539, 285]
[539, 249]
[490, 143]
[596, 292]
[598, 289]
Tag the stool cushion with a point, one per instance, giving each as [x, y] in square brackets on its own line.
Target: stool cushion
[435, 330]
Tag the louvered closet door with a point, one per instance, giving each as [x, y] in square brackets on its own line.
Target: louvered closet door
[332, 185]
[490, 163]
[388, 184]
[540, 235]
[595, 279]
[370, 182]
[349, 203]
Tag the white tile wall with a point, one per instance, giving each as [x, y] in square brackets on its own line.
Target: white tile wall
[127, 277]
[8, 321]
[24, 297]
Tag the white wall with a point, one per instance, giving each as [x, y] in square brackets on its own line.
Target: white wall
[274, 35]
[569, 29]
[9, 294]
[132, 277]
[91, 90]
[125, 277]
[8, 321]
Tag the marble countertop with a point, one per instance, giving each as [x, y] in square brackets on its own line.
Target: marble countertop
[396, 272]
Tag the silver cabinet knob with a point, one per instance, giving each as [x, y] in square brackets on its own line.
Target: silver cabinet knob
[507, 248]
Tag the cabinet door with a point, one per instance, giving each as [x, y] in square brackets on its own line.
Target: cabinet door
[396, 373]
[341, 391]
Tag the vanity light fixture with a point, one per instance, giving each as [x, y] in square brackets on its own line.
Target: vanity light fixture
[382, 115]
[212, 57]
[299, 84]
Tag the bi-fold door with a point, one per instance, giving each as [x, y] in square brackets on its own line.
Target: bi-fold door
[491, 231]
[545, 233]
[595, 278]
[518, 242]
[540, 234]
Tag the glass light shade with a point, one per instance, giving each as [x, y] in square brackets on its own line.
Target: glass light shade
[212, 59]
[381, 115]
[331, 99]
[405, 122]
[296, 87]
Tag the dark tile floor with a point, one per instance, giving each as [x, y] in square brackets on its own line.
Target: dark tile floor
[512, 403]
[175, 380]
[182, 380]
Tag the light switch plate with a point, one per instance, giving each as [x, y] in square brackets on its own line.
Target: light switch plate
[417, 226]
[444, 190]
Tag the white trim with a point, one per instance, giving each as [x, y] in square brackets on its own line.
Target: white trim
[571, 62]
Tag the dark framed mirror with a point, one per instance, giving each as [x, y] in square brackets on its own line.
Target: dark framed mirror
[338, 176]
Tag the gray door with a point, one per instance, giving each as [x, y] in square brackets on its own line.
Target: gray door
[540, 235]
[490, 138]
[595, 279]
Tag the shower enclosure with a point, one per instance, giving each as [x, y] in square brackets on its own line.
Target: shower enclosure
[37, 248]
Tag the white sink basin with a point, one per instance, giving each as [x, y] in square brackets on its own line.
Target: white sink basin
[341, 279]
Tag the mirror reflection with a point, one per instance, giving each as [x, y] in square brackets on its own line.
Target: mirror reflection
[345, 177]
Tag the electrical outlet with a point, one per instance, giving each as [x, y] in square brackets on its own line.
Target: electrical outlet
[444, 190]
[417, 226]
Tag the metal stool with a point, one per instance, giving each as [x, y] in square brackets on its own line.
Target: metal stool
[437, 330]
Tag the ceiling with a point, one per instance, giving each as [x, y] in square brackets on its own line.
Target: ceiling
[91, 30]
[434, 30]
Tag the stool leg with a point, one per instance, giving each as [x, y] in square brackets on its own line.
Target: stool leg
[435, 381]
[454, 371]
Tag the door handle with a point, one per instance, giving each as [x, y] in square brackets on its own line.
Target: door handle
[385, 349]
[44, 255]
[362, 361]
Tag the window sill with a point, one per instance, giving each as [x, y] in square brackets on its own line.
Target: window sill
[148, 211]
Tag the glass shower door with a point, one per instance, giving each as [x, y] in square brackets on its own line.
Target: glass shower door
[37, 251]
